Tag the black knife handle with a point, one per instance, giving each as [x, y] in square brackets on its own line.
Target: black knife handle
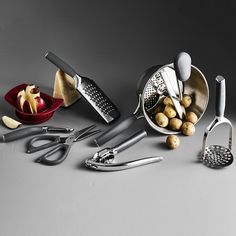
[22, 133]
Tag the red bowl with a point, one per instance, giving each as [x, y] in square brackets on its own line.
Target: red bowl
[52, 105]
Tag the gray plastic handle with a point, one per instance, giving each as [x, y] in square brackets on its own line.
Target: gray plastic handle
[220, 96]
[22, 133]
[115, 130]
[52, 140]
[130, 141]
[182, 64]
[60, 64]
[63, 148]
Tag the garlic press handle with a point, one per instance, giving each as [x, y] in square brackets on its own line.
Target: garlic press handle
[123, 165]
[130, 141]
[115, 130]
[220, 96]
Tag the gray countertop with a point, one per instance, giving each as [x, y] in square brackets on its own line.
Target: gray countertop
[113, 43]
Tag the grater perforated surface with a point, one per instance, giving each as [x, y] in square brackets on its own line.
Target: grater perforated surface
[154, 88]
[99, 101]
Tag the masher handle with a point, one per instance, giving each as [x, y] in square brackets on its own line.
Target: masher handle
[220, 96]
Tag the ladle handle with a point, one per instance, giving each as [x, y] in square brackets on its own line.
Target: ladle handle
[220, 96]
[115, 130]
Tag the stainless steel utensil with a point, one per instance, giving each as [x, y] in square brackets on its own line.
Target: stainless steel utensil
[182, 65]
[89, 90]
[150, 85]
[29, 131]
[172, 95]
[217, 156]
[103, 160]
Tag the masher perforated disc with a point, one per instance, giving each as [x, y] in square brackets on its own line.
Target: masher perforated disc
[216, 156]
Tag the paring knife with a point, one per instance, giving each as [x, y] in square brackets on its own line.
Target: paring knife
[29, 131]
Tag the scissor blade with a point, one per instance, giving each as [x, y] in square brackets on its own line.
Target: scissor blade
[82, 132]
[88, 134]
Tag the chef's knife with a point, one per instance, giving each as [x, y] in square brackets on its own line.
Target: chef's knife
[29, 131]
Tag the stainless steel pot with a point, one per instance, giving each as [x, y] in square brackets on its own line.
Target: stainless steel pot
[196, 86]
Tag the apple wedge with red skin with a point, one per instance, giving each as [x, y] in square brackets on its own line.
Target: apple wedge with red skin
[29, 100]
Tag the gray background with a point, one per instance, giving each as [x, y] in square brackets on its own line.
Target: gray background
[113, 42]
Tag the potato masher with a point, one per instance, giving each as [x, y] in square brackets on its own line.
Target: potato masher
[217, 156]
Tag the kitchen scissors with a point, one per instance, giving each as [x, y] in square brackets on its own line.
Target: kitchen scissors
[62, 145]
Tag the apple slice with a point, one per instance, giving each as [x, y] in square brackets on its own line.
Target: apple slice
[10, 123]
[30, 101]
[23, 103]
[38, 104]
[28, 89]
[21, 97]
[32, 95]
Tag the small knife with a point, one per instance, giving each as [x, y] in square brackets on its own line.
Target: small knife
[29, 131]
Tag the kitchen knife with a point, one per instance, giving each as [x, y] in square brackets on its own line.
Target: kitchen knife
[29, 131]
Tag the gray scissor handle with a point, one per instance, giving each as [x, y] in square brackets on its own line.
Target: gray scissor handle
[64, 148]
[52, 141]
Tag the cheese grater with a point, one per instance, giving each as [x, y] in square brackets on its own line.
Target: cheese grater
[89, 90]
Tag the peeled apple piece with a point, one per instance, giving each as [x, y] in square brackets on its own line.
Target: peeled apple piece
[23, 103]
[10, 123]
[37, 103]
[64, 87]
[30, 101]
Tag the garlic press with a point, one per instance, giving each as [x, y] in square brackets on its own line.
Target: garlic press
[104, 160]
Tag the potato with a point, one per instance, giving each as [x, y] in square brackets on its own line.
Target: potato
[169, 111]
[167, 101]
[159, 108]
[175, 124]
[172, 141]
[188, 128]
[161, 119]
[186, 101]
[191, 117]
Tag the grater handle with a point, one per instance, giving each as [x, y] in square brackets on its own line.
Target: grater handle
[60, 64]
[130, 141]
[220, 96]
[115, 130]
